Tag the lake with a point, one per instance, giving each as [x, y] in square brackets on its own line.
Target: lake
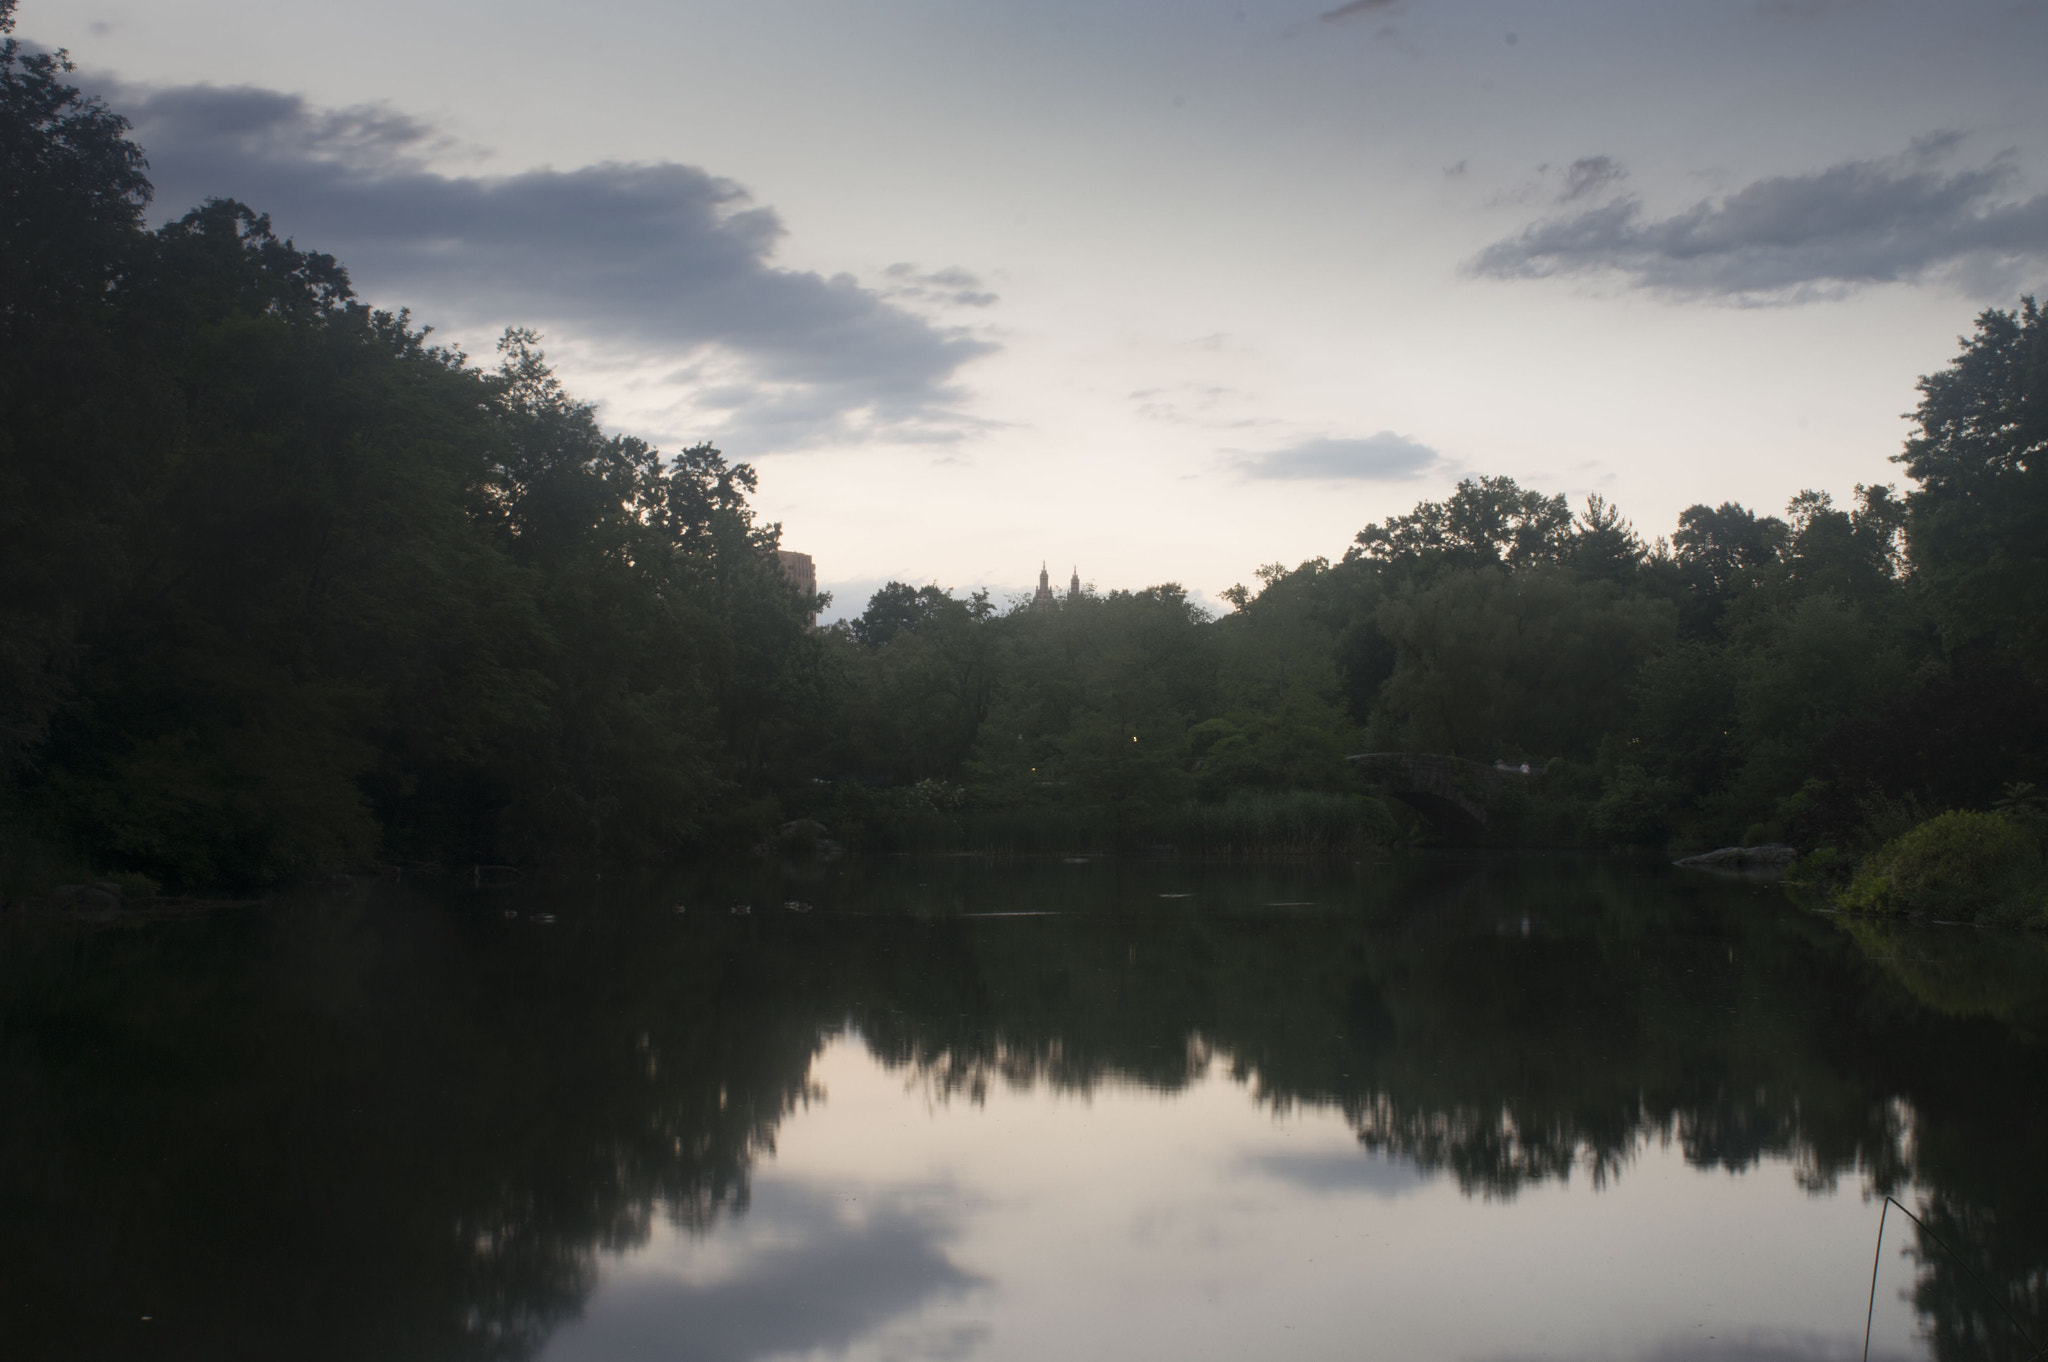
[1427, 1107]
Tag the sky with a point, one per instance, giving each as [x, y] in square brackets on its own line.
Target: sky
[1158, 291]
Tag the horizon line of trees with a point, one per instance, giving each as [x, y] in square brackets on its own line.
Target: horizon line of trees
[1834, 675]
[286, 588]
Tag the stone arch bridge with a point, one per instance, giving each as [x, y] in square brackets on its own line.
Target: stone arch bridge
[1458, 796]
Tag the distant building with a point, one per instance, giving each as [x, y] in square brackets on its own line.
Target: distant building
[1044, 599]
[802, 572]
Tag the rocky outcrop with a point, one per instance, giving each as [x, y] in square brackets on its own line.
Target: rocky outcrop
[100, 901]
[1770, 856]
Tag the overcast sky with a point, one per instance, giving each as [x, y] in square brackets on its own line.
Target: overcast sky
[1162, 290]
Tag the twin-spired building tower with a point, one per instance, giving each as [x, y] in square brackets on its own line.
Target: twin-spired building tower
[1043, 599]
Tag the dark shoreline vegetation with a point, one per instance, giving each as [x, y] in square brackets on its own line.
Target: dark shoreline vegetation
[286, 590]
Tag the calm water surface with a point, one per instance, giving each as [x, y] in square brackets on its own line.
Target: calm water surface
[1420, 1109]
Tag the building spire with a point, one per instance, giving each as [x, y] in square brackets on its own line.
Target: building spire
[1043, 597]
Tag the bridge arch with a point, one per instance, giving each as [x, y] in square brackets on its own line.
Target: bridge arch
[1457, 796]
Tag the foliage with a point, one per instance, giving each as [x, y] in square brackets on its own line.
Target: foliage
[1486, 522]
[1523, 665]
[72, 188]
[288, 588]
[1978, 522]
[1634, 808]
[1961, 866]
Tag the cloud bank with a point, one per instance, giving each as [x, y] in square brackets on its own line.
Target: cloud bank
[1798, 238]
[1385, 457]
[654, 260]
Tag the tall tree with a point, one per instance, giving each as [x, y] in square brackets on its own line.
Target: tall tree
[1978, 524]
[72, 186]
[1486, 522]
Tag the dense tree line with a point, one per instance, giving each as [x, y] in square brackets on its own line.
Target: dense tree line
[286, 588]
[1833, 675]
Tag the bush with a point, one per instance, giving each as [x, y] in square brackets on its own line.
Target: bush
[1960, 866]
[1634, 808]
[1253, 822]
[1248, 823]
[1824, 870]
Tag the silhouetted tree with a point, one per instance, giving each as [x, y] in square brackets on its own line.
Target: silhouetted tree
[1978, 526]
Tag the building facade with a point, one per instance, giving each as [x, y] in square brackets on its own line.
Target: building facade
[802, 573]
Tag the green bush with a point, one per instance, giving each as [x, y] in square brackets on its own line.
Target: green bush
[1961, 866]
[1825, 870]
[1634, 808]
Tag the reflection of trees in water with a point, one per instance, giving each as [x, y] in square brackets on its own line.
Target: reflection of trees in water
[423, 1127]
[1446, 1034]
[370, 1132]
[1449, 1038]
[1486, 1150]
[2003, 1245]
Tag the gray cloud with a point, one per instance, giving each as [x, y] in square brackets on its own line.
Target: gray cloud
[823, 1282]
[1806, 9]
[662, 258]
[1210, 405]
[948, 287]
[1385, 457]
[1797, 238]
[1356, 9]
[1589, 175]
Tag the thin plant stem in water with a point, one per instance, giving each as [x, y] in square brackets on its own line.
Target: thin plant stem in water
[1877, 1257]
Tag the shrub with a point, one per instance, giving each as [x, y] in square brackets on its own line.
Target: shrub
[1961, 866]
[1633, 809]
[1824, 870]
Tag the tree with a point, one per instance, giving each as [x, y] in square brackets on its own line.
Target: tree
[72, 186]
[899, 608]
[1854, 555]
[916, 672]
[284, 587]
[1720, 545]
[1604, 545]
[1486, 522]
[72, 190]
[1529, 664]
[1977, 526]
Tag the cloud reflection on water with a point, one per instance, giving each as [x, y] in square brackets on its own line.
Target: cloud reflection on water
[1342, 1171]
[1754, 1347]
[805, 1270]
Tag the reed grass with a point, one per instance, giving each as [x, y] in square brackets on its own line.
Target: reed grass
[1248, 823]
